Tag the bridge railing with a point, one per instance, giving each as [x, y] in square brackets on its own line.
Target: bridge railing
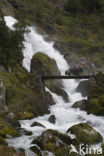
[61, 72]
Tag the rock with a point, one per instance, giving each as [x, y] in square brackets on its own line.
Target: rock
[36, 150]
[27, 132]
[95, 102]
[52, 119]
[61, 92]
[17, 4]
[82, 105]
[2, 68]
[8, 136]
[85, 134]
[10, 151]
[2, 96]
[37, 124]
[43, 65]
[55, 142]
[83, 87]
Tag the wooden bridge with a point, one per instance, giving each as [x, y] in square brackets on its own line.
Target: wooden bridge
[67, 77]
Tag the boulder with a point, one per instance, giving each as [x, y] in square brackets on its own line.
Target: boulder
[55, 142]
[83, 87]
[27, 132]
[52, 119]
[37, 124]
[43, 65]
[85, 134]
[36, 150]
[82, 105]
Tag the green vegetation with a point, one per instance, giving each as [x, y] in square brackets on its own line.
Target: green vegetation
[72, 24]
[85, 134]
[22, 99]
[9, 151]
[86, 6]
[95, 104]
[11, 44]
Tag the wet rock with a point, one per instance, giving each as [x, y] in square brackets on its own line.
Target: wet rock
[83, 87]
[82, 105]
[61, 92]
[8, 136]
[85, 134]
[27, 132]
[37, 124]
[55, 142]
[36, 150]
[52, 119]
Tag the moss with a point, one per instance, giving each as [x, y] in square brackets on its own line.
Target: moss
[8, 130]
[23, 116]
[85, 134]
[2, 141]
[23, 94]
[44, 59]
[9, 151]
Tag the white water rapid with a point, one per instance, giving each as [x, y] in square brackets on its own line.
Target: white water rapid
[65, 115]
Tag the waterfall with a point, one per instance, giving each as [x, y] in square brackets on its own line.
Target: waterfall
[65, 115]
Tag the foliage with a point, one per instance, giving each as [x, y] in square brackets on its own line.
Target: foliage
[83, 6]
[11, 44]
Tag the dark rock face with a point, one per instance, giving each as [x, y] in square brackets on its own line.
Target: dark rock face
[52, 119]
[17, 4]
[80, 104]
[37, 124]
[36, 150]
[95, 102]
[83, 88]
[2, 96]
[85, 134]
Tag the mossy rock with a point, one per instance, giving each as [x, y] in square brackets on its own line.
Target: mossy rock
[55, 142]
[43, 65]
[8, 130]
[10, 151]
[23, 116]
[2, 141]
[85, 134]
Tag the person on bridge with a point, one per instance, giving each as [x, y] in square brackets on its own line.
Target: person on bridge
[76, 70]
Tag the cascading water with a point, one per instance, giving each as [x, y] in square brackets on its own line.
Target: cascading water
[65, 115]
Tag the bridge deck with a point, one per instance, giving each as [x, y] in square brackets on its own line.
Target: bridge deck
[68, 77]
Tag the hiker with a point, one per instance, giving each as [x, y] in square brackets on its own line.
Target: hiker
[76, 70]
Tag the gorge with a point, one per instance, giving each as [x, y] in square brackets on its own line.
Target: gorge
[65, 115]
